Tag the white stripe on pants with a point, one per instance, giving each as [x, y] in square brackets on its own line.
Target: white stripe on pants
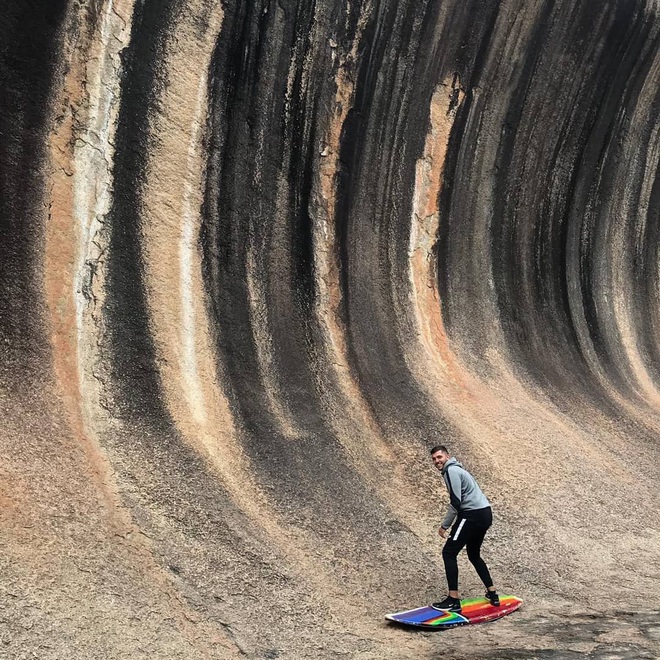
[458, 530]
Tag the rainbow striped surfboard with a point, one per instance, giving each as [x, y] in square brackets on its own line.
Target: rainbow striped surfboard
[475, 610]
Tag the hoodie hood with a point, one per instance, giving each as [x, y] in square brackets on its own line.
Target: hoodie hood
[451, 461]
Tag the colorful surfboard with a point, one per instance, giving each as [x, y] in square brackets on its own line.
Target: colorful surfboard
[474, 610]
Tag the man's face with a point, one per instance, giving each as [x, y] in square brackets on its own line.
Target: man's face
[439, 459]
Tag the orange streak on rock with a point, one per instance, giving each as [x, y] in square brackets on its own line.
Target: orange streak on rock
[61, 255]
[438, 356]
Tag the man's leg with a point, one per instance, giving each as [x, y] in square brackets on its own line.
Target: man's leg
[474, 555]
[455, 543]
[453, 546]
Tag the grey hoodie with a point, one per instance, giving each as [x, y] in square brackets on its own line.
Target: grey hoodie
[464, 492]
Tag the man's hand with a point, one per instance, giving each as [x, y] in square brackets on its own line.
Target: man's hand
[443, 532]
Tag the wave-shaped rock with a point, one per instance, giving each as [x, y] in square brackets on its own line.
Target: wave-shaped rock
[258, 257]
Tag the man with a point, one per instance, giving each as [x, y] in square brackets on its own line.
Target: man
[473, 515]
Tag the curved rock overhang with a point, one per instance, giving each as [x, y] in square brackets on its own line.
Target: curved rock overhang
[257, 257]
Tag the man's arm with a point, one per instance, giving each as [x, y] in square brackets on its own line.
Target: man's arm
[453, 482]
[449, 517]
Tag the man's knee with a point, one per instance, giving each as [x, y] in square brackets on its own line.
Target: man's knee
[474, 555]
[450, 551]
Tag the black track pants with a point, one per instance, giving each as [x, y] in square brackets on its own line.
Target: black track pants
[468, 533]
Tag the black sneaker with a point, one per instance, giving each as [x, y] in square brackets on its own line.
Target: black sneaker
[493, 598]
[450, 604]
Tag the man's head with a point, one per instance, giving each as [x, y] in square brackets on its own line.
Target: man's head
[440, 455]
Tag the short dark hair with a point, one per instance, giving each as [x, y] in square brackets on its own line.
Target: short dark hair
[441, 448]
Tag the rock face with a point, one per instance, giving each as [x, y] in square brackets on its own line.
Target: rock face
[257, 257]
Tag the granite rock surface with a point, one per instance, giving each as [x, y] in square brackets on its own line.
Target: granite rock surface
[257, 257]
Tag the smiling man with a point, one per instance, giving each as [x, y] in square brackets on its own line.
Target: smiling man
[471, 514]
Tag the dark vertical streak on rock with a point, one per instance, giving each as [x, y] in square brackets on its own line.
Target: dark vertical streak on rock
[623, 45]
[251, 114]
[646, 276]
[466, 62]
[231, 204]
[553, 183]
[380, 145]
[263, 209]
[291, 284]
[350, 164]
[642, 229]
[514, 301]
[130, 344]
[300, 133]
[277, 229]
[29, 52]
